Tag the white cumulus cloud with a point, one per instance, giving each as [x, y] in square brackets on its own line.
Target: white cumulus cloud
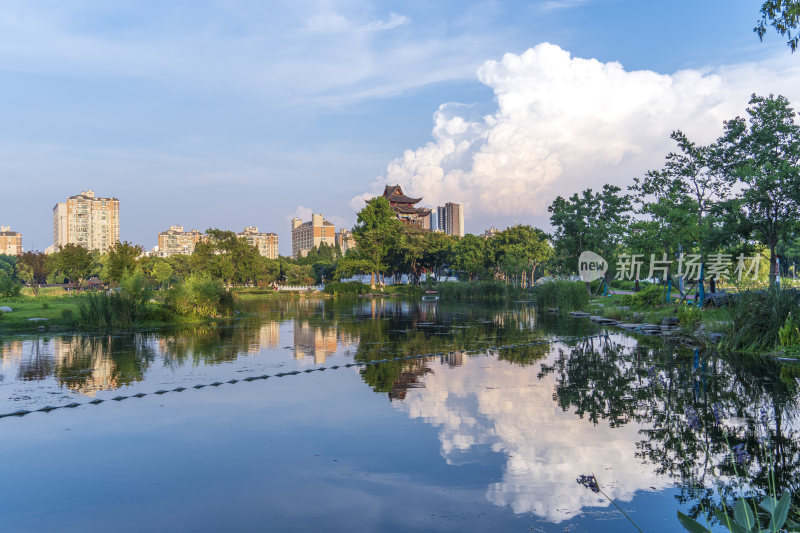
[563, 124]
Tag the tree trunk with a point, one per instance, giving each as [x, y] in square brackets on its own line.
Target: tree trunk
[773, 264]
[372, 280]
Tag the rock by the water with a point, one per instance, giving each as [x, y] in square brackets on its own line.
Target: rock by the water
[602, 320]
[669, 321]
[38, 320]
[5, 309]
[578, 314]
[637, 317]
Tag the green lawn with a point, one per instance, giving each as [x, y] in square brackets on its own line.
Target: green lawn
[714, 318]
[34, 307]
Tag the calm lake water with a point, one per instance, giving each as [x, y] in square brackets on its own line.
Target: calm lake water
[483, 435]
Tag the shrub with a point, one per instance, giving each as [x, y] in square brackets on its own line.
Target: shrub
[1, 314]
[478, 290]
[789, 334]
[689, 316]
[758, 316]
[565, 295]
[346, 287]
[126, 306]
[66, 314]
[9, 289]
[649, 296]
[200, 296]
[45, 305]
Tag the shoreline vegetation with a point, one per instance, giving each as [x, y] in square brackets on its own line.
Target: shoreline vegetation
[134, 305]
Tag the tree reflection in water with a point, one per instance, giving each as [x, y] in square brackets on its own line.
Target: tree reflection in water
[655, 385]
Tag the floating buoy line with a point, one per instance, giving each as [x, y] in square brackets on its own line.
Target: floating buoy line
[98, 401]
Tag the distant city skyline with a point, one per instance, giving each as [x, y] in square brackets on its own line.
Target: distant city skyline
[244, 113]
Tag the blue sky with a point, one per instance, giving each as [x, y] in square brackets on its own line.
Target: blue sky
[232, 113]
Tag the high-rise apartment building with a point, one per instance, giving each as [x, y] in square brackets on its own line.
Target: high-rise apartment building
[175, 241]
[307, 235]
[345, 241]
[86, 220]
[451, 219]
[267, 243]
[10, 241]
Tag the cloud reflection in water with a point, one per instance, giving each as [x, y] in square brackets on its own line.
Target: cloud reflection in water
[506, 407]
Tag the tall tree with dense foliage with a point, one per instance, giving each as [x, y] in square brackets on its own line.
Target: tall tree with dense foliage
[681, 202]
[377, 226]
[589, 221]
[226, 257]
[32, 269]
[762, 155]
[518, 251]
[470, 256]
[122, 258]
[73, 262]
[437, 252]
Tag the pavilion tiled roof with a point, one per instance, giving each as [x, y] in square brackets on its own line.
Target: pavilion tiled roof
[411, 210]
[395, 195]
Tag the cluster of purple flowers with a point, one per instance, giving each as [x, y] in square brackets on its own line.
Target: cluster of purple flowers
[719, 414]
[693, 419]
[589, 481]
[764, 418]
[740, 454]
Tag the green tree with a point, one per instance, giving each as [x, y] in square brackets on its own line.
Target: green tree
[73, 262]
[437, 254]
[681, 202]
[8, 265]
[226, 257]
[377, 226]
[32, 269]
[589, 221]
[162, 273]
[783, 16]
[469, 256]
[122, 258]
[518, 251]
[762, 157]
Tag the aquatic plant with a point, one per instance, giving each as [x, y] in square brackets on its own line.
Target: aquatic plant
[689, 316]
[650, 296]
[338, 288]
[200, 296]
[757, 317]
[789, 334]
[590, 482]
[746, 514]
[564, 295]
[478, 290]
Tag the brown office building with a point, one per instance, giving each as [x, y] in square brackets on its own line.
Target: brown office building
[10, 241]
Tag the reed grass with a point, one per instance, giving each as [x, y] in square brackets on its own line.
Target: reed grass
[757, 317]
[479, 290]
[564, 295]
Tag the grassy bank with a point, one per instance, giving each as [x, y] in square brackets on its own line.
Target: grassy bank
[60, 312]
[134, 305]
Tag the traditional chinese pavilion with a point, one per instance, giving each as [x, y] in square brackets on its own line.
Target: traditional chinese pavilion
[405, 208]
